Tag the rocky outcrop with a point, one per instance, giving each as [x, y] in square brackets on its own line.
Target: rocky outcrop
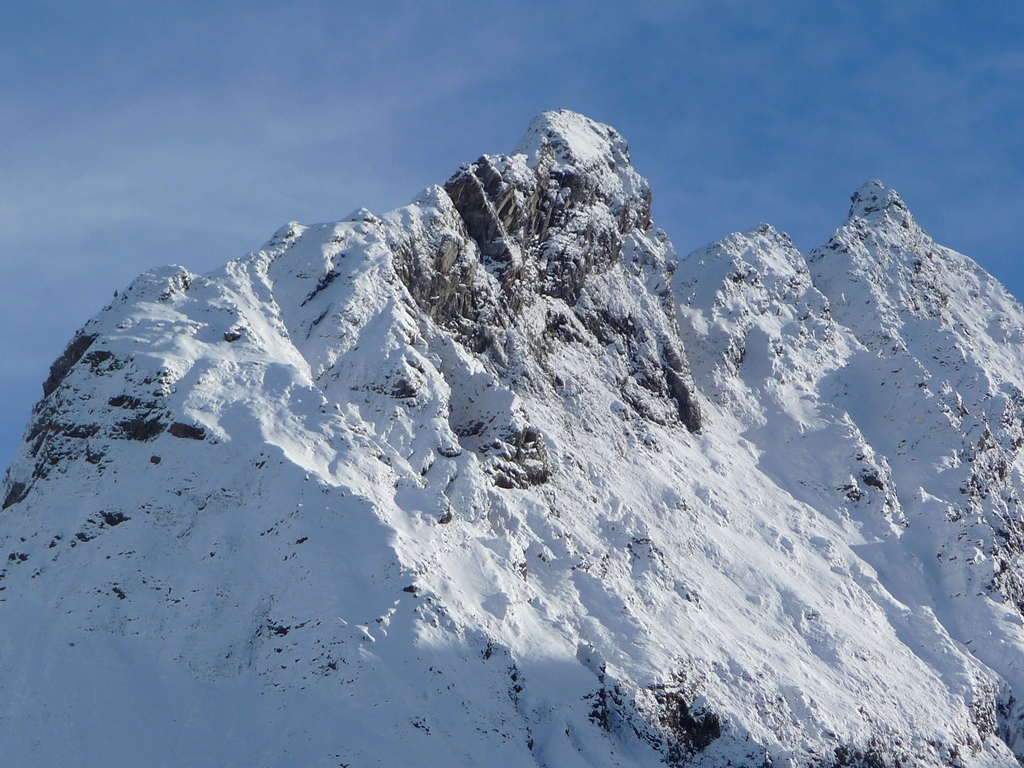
[531, 228]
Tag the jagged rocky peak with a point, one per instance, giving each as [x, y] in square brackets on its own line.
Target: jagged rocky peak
[579, 145]
[884, 274]
[892, 354]
[763, 343]
[531, 229]
[517, 258]
[875, 202]
[879, 234]
[562, 204]
[427, 477]
[763, 260]
[746, 276]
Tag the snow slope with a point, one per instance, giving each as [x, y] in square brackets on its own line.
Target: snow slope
[495, 479]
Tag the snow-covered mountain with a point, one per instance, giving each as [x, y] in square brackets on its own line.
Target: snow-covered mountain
[495, 479]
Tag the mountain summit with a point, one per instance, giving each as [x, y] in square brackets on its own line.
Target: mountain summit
[495, 478]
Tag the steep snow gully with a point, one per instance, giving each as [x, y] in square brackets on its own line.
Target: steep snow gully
[496, 479]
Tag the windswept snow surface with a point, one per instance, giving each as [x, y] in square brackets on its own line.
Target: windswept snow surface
[493, 480]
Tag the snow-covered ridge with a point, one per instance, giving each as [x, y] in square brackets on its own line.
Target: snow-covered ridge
[494, 479]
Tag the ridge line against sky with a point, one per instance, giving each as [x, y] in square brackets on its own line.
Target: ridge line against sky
[136, 136]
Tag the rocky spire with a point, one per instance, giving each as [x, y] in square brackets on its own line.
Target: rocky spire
[877, 205]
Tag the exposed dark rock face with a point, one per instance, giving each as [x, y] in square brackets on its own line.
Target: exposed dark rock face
[16, 493]
[141, 429]
[663, 716]
[522, 460]
[69, 424]
[689, 410]
[443, 278]
[691, 730]
[62, 365]
[542, 225]
[178, 429]
[532, 229]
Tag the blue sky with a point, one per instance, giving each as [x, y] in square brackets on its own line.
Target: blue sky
[137, 134]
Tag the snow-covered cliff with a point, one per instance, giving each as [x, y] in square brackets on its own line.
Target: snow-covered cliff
[495, 479]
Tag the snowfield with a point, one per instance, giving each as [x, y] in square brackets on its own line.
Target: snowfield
[496, 479]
